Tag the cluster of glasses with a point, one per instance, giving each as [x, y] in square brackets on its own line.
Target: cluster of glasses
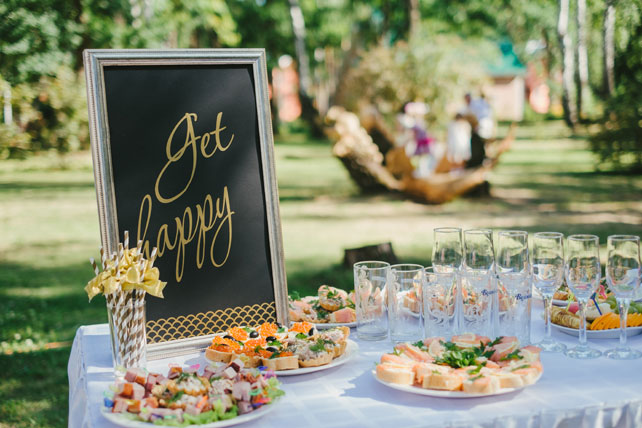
[473, 288]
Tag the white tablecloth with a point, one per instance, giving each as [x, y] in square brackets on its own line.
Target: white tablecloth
[571, 393]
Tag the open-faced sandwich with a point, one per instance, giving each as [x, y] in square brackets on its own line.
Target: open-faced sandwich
[189, 396]
[330, 305]
[279, 348]
[468, 363]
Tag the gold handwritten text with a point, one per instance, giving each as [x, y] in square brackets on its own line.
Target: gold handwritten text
[190, 144]
[189, 227]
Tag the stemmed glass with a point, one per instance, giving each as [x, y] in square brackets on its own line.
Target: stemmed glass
[478, 291]
[583, 277]
[514, 274]
[548, 275]
[623, 278]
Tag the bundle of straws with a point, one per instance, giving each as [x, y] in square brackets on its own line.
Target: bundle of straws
[125, 279]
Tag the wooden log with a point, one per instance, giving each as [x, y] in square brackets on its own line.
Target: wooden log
[380, 252]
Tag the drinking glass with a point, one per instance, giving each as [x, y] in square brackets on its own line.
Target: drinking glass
[583, 277]
[548, 276]
[439, 303]
[514, 276]
[479, 290]
[447, 255]
[447, 249]
[370, 279]
[623, 278]
[404, 302]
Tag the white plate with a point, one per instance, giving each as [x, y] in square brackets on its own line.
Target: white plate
[123, 421]
[613, 333]
[351, 350]
[446, 394]
[327, 325]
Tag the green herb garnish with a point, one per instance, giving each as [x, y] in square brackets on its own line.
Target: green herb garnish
[275, 343]
[475, 370]
[525, 366]
[512, 356]
[294, 295]
[176, 397]
[473, 379]
[301, 336]
[319, 346]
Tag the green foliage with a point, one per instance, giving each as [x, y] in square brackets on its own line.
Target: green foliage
[620, 140]
[36, 37]
[437, 69]
[48, 114]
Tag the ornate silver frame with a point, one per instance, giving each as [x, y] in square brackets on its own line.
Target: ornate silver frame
[95, 60]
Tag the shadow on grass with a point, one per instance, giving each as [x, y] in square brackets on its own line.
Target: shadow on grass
[19, 186]
[34, 390]
[45, 304]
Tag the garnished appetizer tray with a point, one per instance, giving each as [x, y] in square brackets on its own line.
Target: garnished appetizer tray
[331, 307]
[600, 324]
[298, 349]
[467, 366]
[218, 396]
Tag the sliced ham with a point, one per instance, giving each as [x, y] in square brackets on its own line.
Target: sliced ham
[415, 353]
[506, 345]
[345, 315]
[241, 391]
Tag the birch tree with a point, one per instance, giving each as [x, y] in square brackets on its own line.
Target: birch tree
[566, 45]
[582, 58]
[608, 46]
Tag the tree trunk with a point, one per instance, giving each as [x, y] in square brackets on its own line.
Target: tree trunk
[608, 46]
[566, 45]
[298, 27]
[582, 58]
[414, 18]
[7, 110]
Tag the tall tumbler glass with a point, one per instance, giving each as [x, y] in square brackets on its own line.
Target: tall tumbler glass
[447, 249]
[447, 257]
[478, 286]
[514, 280]
[370, 279]
[583, 277]
[548, 276]
[404, 287]
[439, 303]
[623, 278]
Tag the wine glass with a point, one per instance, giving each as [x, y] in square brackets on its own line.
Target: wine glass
[514, 276]
[583, 277]
[548, 275]
[447, 249]
[623, 278]
[477, 282]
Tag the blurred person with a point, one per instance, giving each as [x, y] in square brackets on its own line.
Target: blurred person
[480, 110]
[458, 147]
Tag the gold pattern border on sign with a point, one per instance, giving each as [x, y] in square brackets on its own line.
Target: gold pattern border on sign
[201, 324]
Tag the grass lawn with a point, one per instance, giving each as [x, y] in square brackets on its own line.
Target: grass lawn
[49, 229]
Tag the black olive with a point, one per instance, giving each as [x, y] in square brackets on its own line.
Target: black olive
[311, 332]
[254, 334]
[270, 339]
[227, 336]
[271, 349]
[279, 325]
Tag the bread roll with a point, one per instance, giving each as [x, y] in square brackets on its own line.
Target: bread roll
[214, 355]
[395, 374]
[444, 381]
[323, 359]
[281, 363]
[561, 316]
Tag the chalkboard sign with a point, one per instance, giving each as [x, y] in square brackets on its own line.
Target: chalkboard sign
[183, 160]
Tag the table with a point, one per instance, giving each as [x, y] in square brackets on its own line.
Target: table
[571, 393]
